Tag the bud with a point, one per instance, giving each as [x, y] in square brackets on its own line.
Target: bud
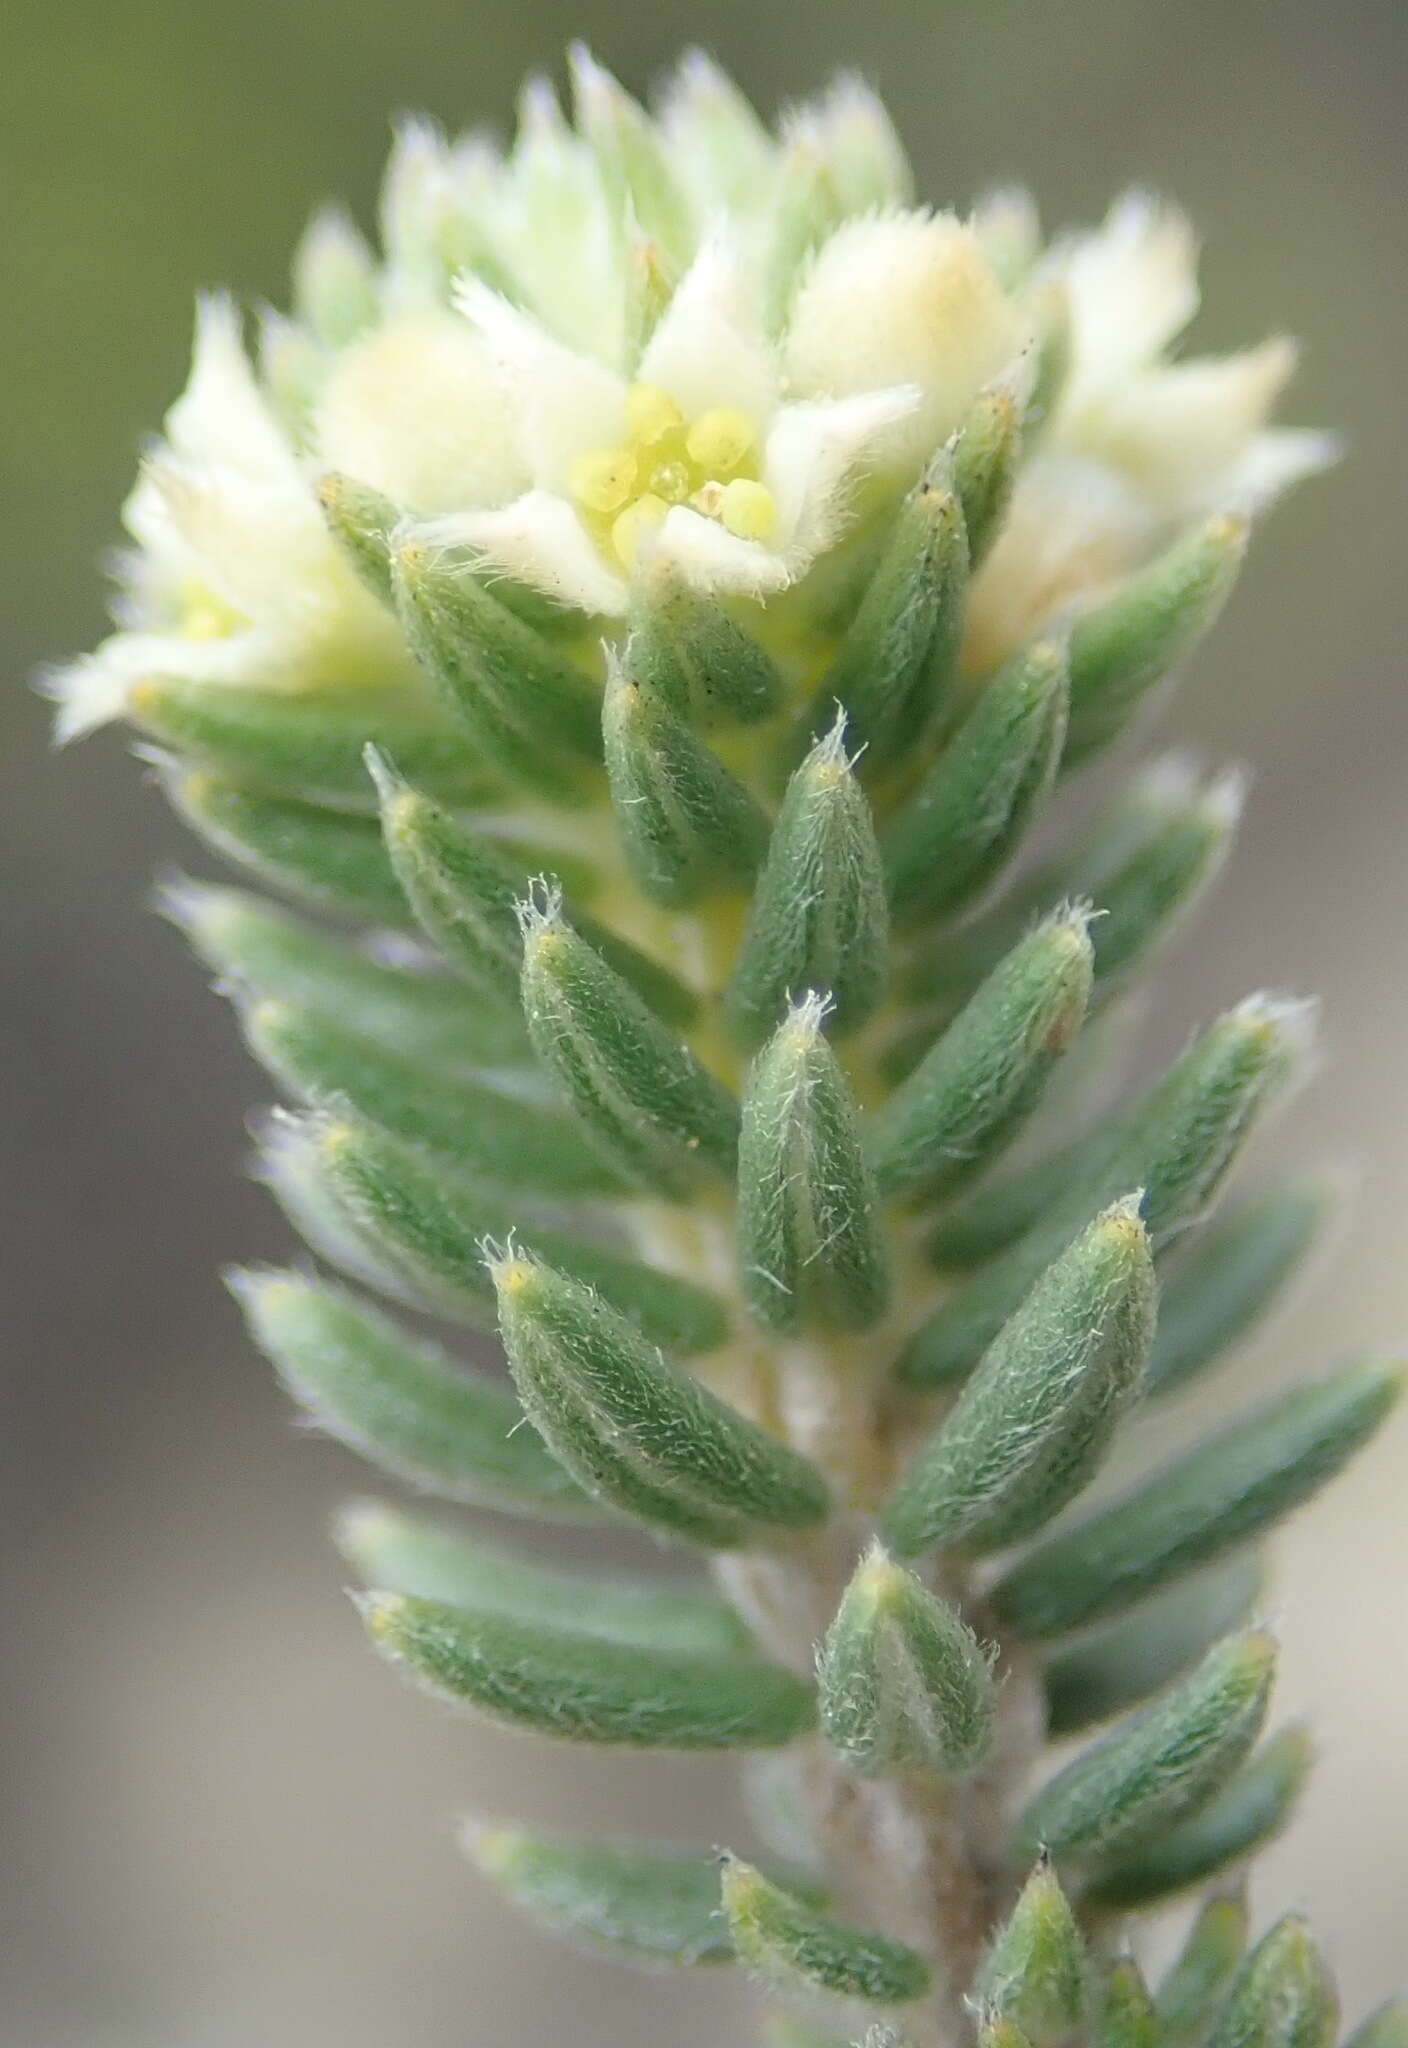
[793, 1945]
[634, 1432]
[401, 1401]
[1220, 1494]
[818, 919]
[1195, 1985]
[334, 279]
[1387, 2028]
[1035, 1972]
[809, 1237]
[685, 648]
[1126, 2017]
[648, 1106]
[362, 522]
[986, 456]
[580, 1688]
[1284, 1996]
[1150, 1771]
[904, 1683]
[633, 162]
[1033, 1424]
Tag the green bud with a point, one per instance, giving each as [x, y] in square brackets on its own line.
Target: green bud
[968, 817]
[1035, 1972]
[1249, 1811]
[631, 157]
[1387, 2028]
[687, 826]
[527, 709]
[651, 1441]
[806, 210]
[289, 1163]
[1152, 1770]
[1195, 1984]
[647, 1105]
[407, 1554]
[465, 889]
[637, 1904]
[1128, 643]
[334, 279]
[1231, 1277]
[896, 663]
[322, 857]
[792, 1944]
[1178, 1144]
[986, 458]
[1121, 1664]
[686, 649]
[362, 522]
[818, 919]
[430, 1229]
[904, 1684]
[809, 1237]
[1220, 1494]
[976, 1087]
[996, 2031]
[1126, 2016]
[1284, 1996]
[581, 1688]
[252, 945]
[1055, 349]
[402, 1402]
[1033, 1424]
[469, 1124]
[307, 744]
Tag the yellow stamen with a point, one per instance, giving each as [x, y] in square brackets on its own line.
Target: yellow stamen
[651, 414]
[748, 509]
[671, 481]
[643, 517]
[720, 440]
[604, 479]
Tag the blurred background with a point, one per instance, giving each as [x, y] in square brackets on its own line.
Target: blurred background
[222, 1821]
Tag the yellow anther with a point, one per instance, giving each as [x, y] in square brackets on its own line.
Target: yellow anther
[604, 479]
[645, 516]
[720, 440]
[748, 509]
[652, 414]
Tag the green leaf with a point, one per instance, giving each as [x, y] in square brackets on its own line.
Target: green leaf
[986, 458]
[1033, 1424]
[408, 1554]
[1196, 1983]
[1386, 2028]
[641, 1097]
[255, 946]
[639, 1904]
[1249, 1811]
[904, 1683]
[896, 663]
[1152, 1770]
[1035, 1973]
[809, 1237]
[495, 1132]
[583, 1689]
[687, 826]
[525, 707]
[307, 744]
[1231, 1277]
[686, 649]
[652, 1441]
[431, 1230]
[1178, 1144]
[362, 522]
[1215, 1497]
[1126, 2016]
[323, 857]
[1284, 1996]
[969, 815]
[400, 1401]
[1117, 1666]
[971, 1093]
[818, 920]
[1125, 645]
[465, 889]
[793, 1944]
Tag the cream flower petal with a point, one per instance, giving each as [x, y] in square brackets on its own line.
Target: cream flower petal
[1268, 465]
[565, 404]
[94, 690]
[714, 559]
[1133, 286]
[261, 547]
[538, 539]
[222, 415]
[813, 454]
[710, 348]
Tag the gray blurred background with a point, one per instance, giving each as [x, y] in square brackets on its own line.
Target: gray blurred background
[222, 1822]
